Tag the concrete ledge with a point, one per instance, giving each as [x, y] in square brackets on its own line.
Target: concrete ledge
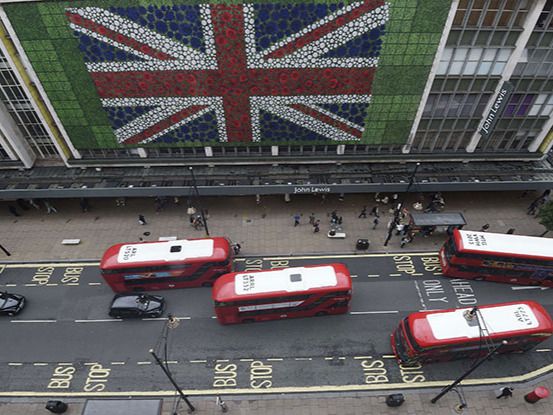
[167, 238]
[71, 242]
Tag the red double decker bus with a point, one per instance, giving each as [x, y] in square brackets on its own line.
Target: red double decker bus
[314, 290]
[513, 259]
[145, 266]
[429, 336]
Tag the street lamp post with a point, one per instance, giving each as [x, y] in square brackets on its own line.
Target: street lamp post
[177, 388]
[197, 193]
[468, 372]
[399, 206]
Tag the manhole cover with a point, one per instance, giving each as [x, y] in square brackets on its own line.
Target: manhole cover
[146, 234]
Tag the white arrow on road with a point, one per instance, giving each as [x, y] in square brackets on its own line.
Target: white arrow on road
[529, 287]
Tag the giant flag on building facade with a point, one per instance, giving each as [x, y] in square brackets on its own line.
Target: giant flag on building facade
[233, 73]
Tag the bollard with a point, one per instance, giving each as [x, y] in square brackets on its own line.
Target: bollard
[538, 393]
[56, 407]
[395, 399]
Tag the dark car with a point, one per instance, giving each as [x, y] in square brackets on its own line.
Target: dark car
[11, 304]
[136, 305]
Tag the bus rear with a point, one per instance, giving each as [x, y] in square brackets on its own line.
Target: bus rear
[250, 296]
[513, 259]
[464, 333]
[161, 265]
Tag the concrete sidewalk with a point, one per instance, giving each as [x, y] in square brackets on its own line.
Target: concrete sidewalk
[267, 229]
[260, 229]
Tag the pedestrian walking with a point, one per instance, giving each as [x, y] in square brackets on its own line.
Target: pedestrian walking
[141, 220]
[405, 240]
[375, 212]
[485, 227]
[49, 207]
[334, 216]
[505, 392]
[399, 228]
[363, 213]
[236, 248]
[316, 226]
[34, 204]
[312, 218]
[83, 202]
[375, 222]
[13, 210]
[297, 218]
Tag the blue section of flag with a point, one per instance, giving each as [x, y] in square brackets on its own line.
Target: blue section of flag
[274, 22]
[97, 51]
[276, 129]
[354, 113]
[119, 116]
[367, 45]
[201, 130]
[180, 22]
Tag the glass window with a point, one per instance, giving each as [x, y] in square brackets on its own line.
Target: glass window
[470, 68]
[456, 68]
[475, 54]
[461, 54]
[484, 68]
[497, 68]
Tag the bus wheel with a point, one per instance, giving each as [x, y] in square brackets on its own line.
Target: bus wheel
[207, 284]
[321, 313]
[248, 320]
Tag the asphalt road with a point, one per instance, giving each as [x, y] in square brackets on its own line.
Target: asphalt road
[65, 343]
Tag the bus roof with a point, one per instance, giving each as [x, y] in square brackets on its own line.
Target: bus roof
[435, 328]
[281, 281]
[162, 252]
[505, 244]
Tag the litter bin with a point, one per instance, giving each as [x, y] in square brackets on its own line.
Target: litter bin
[362, 244]
[538, 393]
[56, 407]
[395, 399]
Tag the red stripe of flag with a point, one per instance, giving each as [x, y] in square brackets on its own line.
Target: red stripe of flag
[325, 29]
[327, 120]
[79, 20]
[164, 124]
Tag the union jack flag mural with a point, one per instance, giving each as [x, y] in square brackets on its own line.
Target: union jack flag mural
[212, 73]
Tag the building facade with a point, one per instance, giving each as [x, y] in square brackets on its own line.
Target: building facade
[128, 82]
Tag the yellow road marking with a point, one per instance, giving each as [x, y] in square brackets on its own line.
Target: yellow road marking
[349, 256]
[55, 265]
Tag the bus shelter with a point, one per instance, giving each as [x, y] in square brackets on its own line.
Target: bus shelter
[426, 223]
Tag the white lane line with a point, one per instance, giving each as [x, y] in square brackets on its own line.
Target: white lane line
[373, 275]
[246, 360]
[117, 363]
[436, 273]
[274, 359]
[543, 350]
[528, 287]
[303, 358]
[94, 283]
[172, 362]
[64, 364]
[395, 275]
[374, 312]
[108, 320]
[31, 285]
[198, 361]
[143, 363]
[354, 276]
[15, 364]
[388, 356]
[223, 360]
[72, 283]
[52, 284]
[362, 357]
[40, 364]
[164, 318]
[421, 298]
[213, 316]
[33, 321]
[10, 285]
